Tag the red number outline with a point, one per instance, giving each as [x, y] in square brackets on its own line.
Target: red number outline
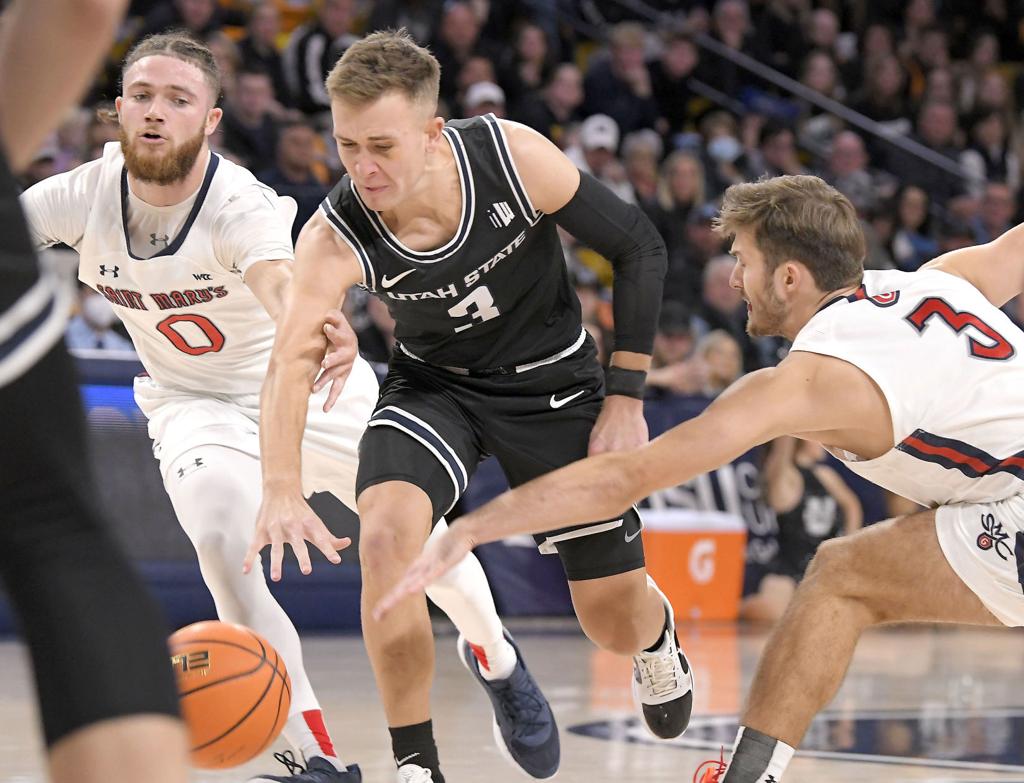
[937, 307]
[213, 334]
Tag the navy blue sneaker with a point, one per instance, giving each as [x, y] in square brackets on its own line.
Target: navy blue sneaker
[524, 727]
[317, 770]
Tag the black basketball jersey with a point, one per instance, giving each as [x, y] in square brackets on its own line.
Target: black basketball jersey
[815, 519]
[498, 293]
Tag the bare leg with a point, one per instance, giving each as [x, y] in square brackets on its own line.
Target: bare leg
[619, 613]
[888, 573]
[151, 748]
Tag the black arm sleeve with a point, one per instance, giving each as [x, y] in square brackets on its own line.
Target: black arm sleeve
[624, 235]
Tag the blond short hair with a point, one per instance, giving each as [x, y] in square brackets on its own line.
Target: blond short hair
[799, 218]
[383, 62]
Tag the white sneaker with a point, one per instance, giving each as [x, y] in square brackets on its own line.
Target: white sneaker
[413, 773]
[663, 683]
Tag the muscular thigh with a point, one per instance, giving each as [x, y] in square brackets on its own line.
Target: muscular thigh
[898, 570]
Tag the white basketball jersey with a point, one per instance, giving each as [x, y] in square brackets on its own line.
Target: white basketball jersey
[195, 324]
[951, 367]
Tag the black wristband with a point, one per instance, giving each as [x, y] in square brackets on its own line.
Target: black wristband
[629, 383]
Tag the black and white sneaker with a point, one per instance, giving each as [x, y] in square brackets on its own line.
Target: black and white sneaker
[663, 683]
[413, 773]
[317, 770]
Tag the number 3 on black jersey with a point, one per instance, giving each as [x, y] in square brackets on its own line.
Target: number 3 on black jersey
[999, 348]
[479, 304]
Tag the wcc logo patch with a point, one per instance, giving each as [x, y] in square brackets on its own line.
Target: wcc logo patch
[993, 537]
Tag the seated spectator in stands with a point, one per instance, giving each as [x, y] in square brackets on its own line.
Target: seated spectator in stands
[475, 70]
[680, 190]
[670, 81]
[198, 17]
[998, 207]
[419, 17]
[294, 173]
[994, 94]
[982, 57]
[722, 307]
[619, 85]
[525, 68]
[484, 98]
[92, 326]
[817, 127]
[812, 504]
[312, 51]
[731, 25]
[931, 52]
[937, 129]
[847, 171]
[598, 142]
[955, 233]
[726, 158]
[458, 39]
[990, 157]
[674, 368]
[722, 359]
[702, 244]
[776, 153]
[913, 242]
[641, 153]
[556, 106]
[259, 51]
[250, 130]
[883, 96]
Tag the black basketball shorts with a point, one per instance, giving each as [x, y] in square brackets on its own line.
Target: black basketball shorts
[533, 422]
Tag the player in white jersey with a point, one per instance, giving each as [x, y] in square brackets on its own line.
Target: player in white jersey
[915, 380]
[195, 256]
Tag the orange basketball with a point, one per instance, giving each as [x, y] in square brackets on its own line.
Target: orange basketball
[234, 692]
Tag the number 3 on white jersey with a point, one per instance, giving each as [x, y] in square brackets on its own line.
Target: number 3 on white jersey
[482, 304]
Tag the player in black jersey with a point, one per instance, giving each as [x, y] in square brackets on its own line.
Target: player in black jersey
[813, 504]
[453, 226]
[105, 689]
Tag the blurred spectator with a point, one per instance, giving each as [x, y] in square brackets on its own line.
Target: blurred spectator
[674, 369]
[954, 234]
[982, 57]
[913, 242]
[818, 127]
[847, 170]
[989, 156]
[552, 110]
[229, 59]
[199, 17]
[250, 130]
[670, 76]
[258, 50]
[775, 155]
[419, 17]
[293, 173]
[883, 96]
[730, 25]
[936, 128]
[91, 327]
[641, 153]
[680, 194]
[723, 362]
[781, 25]
[484, 98]
[527, 66]
[940, 85]
[458, 39]
[312, 51]
[721, 307]
[620, 85]
[930, 52]
[725, 154]
[598, 141]
[476, 69]
[101, 129]
[995, 217]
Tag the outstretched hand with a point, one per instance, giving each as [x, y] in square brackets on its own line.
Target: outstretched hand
[284, 519]
[342, 349]
[439, 556]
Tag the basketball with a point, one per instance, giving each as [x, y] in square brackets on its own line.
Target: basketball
[233, 689]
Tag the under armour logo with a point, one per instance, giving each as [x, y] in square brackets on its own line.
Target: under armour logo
[184, 470]
[153, 239]
[770, 779]
[500, 214]
[112, 272]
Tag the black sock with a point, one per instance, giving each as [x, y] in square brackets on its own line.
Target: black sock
[661, 636]
[415, 745]
[752, 758]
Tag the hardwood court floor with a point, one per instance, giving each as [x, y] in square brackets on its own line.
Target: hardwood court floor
[920, 704]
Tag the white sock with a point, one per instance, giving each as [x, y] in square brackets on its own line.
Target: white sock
[305, 731]
[465, 596]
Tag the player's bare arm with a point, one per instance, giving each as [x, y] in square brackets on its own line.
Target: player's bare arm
[614, 229]
[269, 281]
[995, 268]
[32, 66]
[324, 269]
[805, 392]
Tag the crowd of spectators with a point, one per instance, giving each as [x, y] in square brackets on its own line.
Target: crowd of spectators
[654, 112]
